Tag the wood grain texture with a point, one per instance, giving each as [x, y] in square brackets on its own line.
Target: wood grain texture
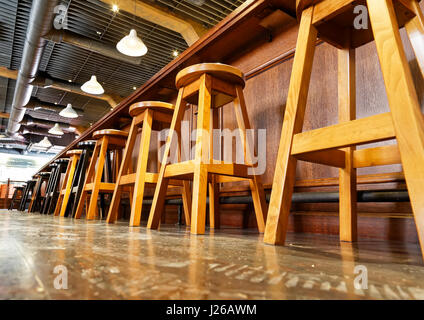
[141, 170]
[200, 176]
[347, 175]
[285, 171]
[407, 117]
[267, 65]
[415, 30]
[67, 184]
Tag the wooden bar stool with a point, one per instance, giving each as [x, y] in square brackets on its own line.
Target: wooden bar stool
[53, 168]
[37, 198]
[17, 196]
[106, 141]
[87, 148]
[209, 85]
[36, 192]
[65, 190]
[52, 191]
[334, 145]
[148, 115]
[29, 186]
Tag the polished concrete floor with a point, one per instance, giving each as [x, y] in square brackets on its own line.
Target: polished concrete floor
[116, 262]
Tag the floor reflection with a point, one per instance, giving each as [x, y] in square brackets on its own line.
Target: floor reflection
[117, 262]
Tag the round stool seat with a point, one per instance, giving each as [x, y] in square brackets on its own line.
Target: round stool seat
[111, 133]
[345, 19]
[74, 152]
[140, 107]
[218, 70]
[87, 144]
[44, 174]
[52, 165]
[63, 160]
[303, 4]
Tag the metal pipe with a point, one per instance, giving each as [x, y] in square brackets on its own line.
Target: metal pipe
[35, 104]
[40, 22]
[90, 44]
[311, 197]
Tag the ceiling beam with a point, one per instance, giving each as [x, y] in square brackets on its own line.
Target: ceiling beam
[42, 82]
[113, 100]
[9, 74]
[189, 29]
[4, 115]
[107, 50]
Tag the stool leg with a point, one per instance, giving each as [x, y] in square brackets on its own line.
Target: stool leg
[162, 184]
[200, 176]
[49, 189]
[38, 200]
[285, 170]
[79, 183]
[140, 177]
[186, 194]
[415, 30]
[256, 187]
[54, 189]
[75, 178]
[60, 198]
[347, 175]
[214, 218]
[24, 197]
[88, 177]
[131, 188]
[92, 208]
[15, 192]
[36, 205]
[116, 197]
[68, 187]
[35, 194]
[214, 221]
[403, 101]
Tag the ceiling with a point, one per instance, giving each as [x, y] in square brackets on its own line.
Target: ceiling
[68, 63]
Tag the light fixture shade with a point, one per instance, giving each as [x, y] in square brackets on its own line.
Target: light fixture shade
[131, 45]
[56, 130]
[45, 143]
[68, 112]
[93, 86]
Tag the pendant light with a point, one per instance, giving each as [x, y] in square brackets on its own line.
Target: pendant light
[45, 143]
[68, 112]
[56, 130]
[131, 45]
[93, 86]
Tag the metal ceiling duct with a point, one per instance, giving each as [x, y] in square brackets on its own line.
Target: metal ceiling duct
[40, 23]
[11, 143]
[89, 44]
[30, 121]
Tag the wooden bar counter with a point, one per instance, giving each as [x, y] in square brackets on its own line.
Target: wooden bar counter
[260, 38]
